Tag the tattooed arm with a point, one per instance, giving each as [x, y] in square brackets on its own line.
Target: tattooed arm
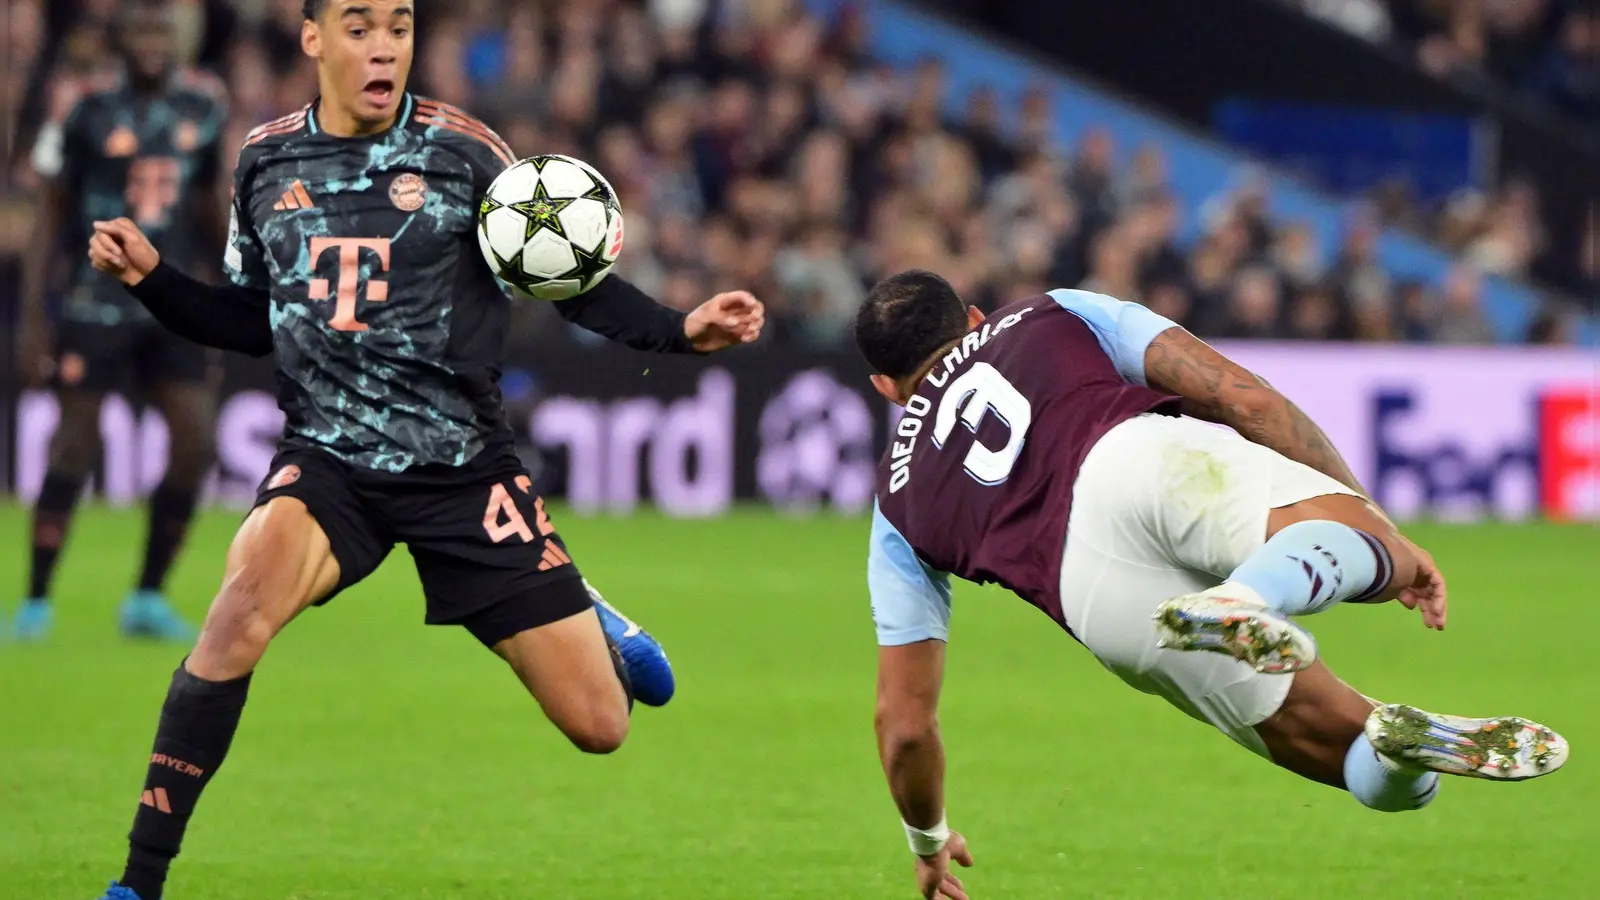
[1217, 389]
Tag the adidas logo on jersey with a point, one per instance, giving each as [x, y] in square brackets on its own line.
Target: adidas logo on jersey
[296, 197]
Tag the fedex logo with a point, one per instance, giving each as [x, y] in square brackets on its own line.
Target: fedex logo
[1418, 469]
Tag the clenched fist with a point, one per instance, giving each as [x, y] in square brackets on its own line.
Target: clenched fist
[119, 249]
[725, 320]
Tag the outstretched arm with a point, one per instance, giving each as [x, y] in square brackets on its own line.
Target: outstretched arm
[907, 722]
[1217, 389]
[911, 611]
[228, 318]
[616, 309]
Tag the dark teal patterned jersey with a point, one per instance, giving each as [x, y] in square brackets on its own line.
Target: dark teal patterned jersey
[148, 157]
[387, 323]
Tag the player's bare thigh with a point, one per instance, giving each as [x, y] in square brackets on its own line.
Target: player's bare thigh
[280, 562]
[568, 668]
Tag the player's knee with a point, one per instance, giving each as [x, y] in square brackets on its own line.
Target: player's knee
[237, 630]
[231, 642]
[601, 731]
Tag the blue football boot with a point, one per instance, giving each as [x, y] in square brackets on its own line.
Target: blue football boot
[33, 619]
[118, 892]
[147, 614]
[646, 662]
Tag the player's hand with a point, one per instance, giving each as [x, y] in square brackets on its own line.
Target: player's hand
[934, 878]
[36, 360]
[119, 249]
[724, 321]
[1427, 592]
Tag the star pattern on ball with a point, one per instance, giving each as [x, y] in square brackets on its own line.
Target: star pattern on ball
[543, 210]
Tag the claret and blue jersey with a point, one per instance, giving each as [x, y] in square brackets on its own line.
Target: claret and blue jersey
[977, 480]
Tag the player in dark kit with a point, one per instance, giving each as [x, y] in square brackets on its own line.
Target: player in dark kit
[143, 144]
[1063, 448]
[354, 259]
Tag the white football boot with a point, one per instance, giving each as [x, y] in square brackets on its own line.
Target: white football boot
[1233, 620]
[1502, 749]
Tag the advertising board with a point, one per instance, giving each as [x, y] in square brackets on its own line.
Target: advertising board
[1449, 433]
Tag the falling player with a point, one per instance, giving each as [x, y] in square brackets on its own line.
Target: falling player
[1051, 449]
[142, 145]
[353, 258]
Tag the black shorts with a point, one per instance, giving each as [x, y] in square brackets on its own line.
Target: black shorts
[485, 550]
[111, 357]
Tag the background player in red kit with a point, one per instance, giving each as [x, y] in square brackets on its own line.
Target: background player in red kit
[1056, 448]
[387, 329]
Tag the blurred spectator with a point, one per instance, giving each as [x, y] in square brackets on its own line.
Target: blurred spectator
[1461, 319]
[1569, 75]
[1092, 179]
[1255, 306]
[816, 272]
[1296, 256]
[1152, 230]
[1417, 313]
[1551, 327]
[1114, 265]
[1146, 178]
[982, 129]
[1314, 316]
[1356, 272]
[1171, 299]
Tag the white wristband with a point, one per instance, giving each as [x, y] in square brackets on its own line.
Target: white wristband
[928, 841]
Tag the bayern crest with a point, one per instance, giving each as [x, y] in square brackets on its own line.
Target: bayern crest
[408, 192]
[284, 477]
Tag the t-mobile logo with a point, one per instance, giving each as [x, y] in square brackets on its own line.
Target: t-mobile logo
[344, 310]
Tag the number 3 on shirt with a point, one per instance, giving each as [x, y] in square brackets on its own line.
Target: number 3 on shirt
[982, 389]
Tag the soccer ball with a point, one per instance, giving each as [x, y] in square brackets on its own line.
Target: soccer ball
[550, 226]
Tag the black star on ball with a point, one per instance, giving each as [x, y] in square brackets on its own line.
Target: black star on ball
[543, 211]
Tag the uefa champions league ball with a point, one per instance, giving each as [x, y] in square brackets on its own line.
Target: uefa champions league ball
[551, 227]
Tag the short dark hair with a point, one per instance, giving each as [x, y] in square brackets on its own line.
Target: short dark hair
[906, 319]
[312, 9]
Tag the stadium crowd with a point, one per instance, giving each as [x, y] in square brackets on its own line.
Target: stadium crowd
[1548, 49]
[756, 146]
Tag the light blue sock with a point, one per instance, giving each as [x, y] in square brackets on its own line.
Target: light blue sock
[1383, 784]
[1312, 565]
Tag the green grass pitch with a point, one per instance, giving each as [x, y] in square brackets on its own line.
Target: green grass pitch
[382, 759]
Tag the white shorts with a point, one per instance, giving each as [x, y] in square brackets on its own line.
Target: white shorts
[1166, 506]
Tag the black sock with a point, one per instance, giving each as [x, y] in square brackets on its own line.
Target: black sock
[171, 510]
[52, 513]
[197, 725]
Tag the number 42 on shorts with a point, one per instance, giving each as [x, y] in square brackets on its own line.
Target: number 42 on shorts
[503, 521]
